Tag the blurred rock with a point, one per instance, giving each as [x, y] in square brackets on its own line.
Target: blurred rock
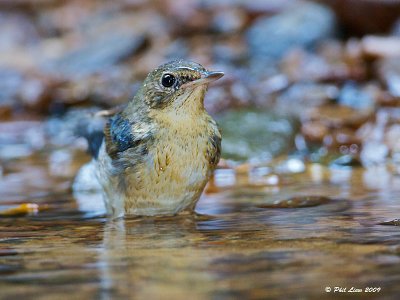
[346, 161]
[337, 116]
[228, 21]
[301, 65]
[20, 138]
[301, 97]
[262, 7]
[396, 28]
[16, 151]
[353, 96]
[16, 30]
[24, 4]
[330, 63]
[255, 135]
[302, 25]
[389, 73]
[314, 131]
[378, 46]
[60, 163]
[107, 88]
[18, 90]
[392, 138]
[343, 140]
[374, 152]
[10, 82]
[231, 50]
[98, 55]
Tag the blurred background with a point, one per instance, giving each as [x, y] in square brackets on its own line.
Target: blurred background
[305, 197]
[318, 80]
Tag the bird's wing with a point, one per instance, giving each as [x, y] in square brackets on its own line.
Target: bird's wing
[127, 141]
[214, 148]
[91, 127]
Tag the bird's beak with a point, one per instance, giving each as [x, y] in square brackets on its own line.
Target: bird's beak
[206, 79]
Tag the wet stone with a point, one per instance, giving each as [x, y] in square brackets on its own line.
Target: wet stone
[346, 161]
[297, 202]
[395, 222]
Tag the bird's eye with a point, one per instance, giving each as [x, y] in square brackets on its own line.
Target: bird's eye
[168, 80]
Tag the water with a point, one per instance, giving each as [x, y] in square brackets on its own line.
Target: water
[324, 227]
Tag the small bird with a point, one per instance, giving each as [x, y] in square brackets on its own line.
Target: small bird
[158, 153]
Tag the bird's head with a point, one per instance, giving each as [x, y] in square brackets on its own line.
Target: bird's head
[177, 85]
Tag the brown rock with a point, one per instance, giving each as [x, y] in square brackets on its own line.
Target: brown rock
[337, 116]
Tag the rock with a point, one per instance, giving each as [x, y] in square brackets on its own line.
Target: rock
[389, 73]
[255, 135]
[20, 90]
[392, 138]
[10, 81]
[98, 55]
[301, 97]
[16, 30]
[229, 21]
[301, 25]
[314, 131]
[297, 202]
[339, 140]
[107, 88]
[374, 152]
[299, 65]
[346, 161]
[353, 96]
[337, 116]
[332, 61]
[343, 140]
[396, 28]
[20, 139]
[378, 46]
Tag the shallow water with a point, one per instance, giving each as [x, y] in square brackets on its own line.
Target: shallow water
[253, 237]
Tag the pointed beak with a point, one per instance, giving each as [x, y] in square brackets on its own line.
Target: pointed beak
[206, 79]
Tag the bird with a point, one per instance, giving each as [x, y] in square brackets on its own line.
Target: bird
[156, 155]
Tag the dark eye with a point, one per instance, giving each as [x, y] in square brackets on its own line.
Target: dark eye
[168, 80]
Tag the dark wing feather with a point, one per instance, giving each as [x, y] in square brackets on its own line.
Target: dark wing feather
[125, 139]
[214, 149]
[118, 135]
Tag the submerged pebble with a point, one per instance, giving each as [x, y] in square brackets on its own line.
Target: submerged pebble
[297, 202]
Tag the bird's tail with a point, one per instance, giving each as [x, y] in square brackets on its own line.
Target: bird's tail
[92, 129]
